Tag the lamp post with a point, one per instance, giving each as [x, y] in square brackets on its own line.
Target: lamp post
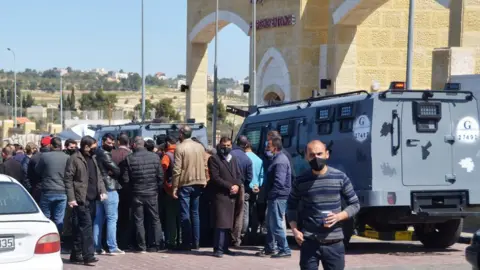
[254, 53]
[411, 17]
[143, 75]
[215, 83]
[61, 100]
[15, 89]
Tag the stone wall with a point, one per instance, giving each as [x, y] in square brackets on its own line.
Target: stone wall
[382, 43]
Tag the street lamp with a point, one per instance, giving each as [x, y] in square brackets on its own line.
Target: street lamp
[411, 17]
[61, 99]
[15, 89]
[143, 75]
[253, 81]
[215, 83]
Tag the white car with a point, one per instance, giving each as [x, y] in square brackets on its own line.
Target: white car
[28, 240]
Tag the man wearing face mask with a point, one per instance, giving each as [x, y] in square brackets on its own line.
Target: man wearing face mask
[108, 209]
[277, 188]
[225, 182]
[70, 147]
[82, 169]
[320, 192]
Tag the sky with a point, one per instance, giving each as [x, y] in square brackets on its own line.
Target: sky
[106, 34]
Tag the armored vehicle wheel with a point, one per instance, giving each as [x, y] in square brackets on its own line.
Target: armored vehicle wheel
[439, 235]
[348, 227]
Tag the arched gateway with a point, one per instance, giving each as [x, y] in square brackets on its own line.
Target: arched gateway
[350, 43]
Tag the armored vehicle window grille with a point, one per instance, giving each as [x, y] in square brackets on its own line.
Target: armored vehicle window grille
[346, 125]
[254, 137]
[427, 115]
[346, 111]
[285, 130]
[324, 128]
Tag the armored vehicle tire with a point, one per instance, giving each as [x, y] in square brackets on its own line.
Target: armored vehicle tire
[439, 235]
[348, 227]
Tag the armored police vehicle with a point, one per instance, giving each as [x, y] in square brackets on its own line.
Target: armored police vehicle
[157, 131]
[411, 155]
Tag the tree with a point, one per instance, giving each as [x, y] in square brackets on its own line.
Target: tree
[164, 108]
[148, 105]
[72, 99]
[221, 111]
[28, 101]
[97, 100]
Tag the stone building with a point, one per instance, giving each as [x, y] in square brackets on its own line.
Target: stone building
[352, 43]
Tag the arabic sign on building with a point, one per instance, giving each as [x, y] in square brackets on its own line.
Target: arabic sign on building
[274, 22]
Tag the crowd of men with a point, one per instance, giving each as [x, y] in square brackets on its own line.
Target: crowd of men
[179, 194]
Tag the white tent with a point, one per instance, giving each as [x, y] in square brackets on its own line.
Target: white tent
[76, 133]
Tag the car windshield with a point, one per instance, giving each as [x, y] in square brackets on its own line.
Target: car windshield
[15, 200]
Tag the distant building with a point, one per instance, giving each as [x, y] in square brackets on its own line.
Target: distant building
[160, 76]
[100, 71]
[37, 112]
[180, 82]
[117, 75]
[209, 78]
[62, 71]
[236, 92]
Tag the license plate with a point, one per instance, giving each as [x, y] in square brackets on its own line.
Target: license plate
[7, 243]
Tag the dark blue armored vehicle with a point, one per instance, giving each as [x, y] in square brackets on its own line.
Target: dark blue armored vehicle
[411, 155]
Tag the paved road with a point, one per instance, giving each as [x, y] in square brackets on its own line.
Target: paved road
[364, 254]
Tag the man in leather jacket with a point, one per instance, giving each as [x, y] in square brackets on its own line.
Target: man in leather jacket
[107, 209]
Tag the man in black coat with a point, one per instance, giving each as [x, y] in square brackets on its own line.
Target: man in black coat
[143, 173]
[225, 182]
[12, 167]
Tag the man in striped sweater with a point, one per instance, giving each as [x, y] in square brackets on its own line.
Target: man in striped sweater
[320, 191]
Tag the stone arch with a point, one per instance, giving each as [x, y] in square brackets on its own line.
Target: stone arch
[354, 12]
[273, 76]
[200, 32]
[204, 30]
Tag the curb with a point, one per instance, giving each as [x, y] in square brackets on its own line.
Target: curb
[403, 236]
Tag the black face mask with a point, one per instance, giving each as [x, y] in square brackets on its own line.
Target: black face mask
[70, 151]
[317, 164]
[92, 151]
[107, 147]
[224, 150]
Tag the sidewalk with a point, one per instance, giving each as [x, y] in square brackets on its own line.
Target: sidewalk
[466, 237]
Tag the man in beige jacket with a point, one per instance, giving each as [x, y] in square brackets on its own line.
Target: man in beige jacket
[189, 179]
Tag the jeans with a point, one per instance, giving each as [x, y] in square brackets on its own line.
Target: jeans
[147, 206]
[221, 240]
[82, 230]
[275, 230]
[312, 252]
[189, 197]
[106, 210]
[53, 207]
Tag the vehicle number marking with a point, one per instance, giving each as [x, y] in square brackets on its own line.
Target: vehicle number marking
[7, 243]
[361, 128]
[467, 130]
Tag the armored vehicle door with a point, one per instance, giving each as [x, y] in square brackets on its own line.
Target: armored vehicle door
[425, 138]
[465, 142]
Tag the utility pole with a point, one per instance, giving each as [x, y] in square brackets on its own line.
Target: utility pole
[15, 89]
[254, 52]
[61, 100]
[143, 75]
[215, 84]
[411, 18]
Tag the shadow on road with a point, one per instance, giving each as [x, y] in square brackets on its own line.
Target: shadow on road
[392, 248]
